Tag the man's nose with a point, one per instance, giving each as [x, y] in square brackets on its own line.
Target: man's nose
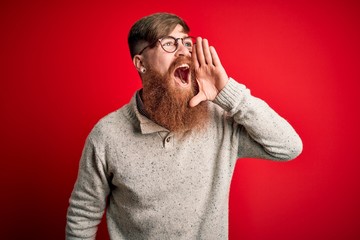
[182, 50]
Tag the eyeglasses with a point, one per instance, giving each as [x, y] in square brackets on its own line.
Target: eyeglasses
[170, 44]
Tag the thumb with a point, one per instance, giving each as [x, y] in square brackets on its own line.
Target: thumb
[198, 98]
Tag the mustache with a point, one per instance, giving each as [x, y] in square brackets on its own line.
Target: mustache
[182, 60]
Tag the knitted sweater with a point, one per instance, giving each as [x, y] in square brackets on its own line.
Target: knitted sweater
[155, 184]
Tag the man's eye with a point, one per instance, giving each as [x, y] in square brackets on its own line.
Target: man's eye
[188, 44]
[168, 44]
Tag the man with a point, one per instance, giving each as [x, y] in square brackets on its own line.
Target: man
[162, 164]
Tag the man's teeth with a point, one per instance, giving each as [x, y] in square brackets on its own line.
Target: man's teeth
[184, 66]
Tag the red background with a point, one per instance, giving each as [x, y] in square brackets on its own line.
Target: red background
[64, 65]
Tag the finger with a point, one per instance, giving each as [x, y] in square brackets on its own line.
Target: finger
[197, 99]
[206, 50]
[199, 51]
[215, 57]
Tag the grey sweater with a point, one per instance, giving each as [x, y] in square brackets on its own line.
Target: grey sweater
[155, 184]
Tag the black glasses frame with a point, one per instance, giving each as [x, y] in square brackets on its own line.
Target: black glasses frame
[176, 42]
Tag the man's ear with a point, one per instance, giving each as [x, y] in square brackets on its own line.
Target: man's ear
[137, 61]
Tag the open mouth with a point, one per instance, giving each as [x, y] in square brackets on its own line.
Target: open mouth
[182, 75]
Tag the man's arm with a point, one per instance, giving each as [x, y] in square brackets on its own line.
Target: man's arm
[88, 199]
[262, 132]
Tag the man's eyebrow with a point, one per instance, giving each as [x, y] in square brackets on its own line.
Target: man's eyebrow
[184, 36]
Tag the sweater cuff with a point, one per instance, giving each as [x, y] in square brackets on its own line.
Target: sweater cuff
[228, 97]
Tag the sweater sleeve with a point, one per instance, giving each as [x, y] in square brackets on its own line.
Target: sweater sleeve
[88, 199]
[259, 132]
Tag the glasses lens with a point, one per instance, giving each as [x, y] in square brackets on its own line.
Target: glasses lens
[168, 44]
[188, 42]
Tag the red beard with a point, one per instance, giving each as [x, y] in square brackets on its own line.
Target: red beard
[166, 100]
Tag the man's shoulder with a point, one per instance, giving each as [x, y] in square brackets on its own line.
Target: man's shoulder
[115, 123]
[114, 117]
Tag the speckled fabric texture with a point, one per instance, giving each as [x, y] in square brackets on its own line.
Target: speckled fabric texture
[155, 184]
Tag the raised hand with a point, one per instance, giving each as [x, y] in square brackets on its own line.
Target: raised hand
[209, 73]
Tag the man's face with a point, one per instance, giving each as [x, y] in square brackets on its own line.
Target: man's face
[160, 61]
